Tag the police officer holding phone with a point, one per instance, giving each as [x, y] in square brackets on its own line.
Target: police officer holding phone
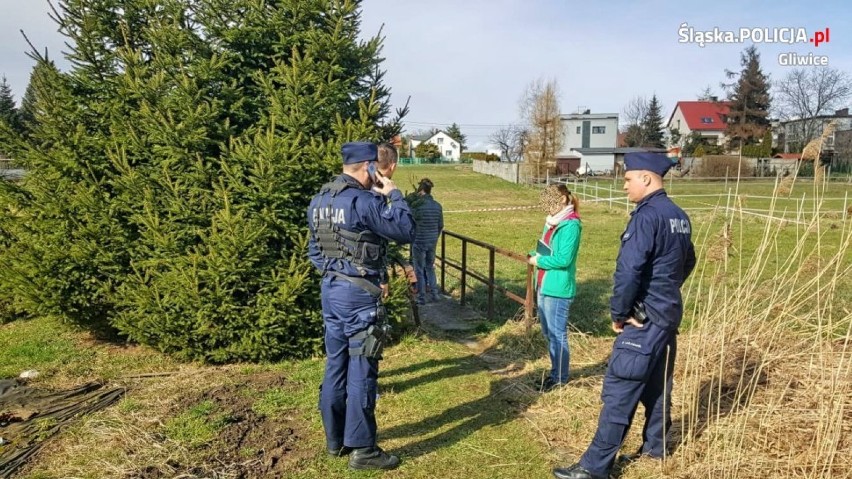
[656, 257]
[350, 228]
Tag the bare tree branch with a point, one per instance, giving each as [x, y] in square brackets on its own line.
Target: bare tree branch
[539, 107]
[635, 111]
[808, 93]
[510, 140]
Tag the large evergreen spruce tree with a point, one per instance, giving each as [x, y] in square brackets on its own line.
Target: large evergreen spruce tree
[8, 111]
[748, 117]
[170, 169]
[652, 125]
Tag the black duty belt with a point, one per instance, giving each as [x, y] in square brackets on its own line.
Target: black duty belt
[360, 282]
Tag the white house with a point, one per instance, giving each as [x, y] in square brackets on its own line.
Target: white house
[709, 119]
[593, 138]
[448, 146]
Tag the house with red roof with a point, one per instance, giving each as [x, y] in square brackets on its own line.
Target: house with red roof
[708, 118]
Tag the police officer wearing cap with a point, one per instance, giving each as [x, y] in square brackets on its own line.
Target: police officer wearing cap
[656, 257]
[350, 228]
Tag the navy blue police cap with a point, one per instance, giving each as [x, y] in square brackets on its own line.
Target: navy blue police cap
[358, 151]
[655, 162]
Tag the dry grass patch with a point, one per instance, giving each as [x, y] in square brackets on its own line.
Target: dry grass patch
[199, 422]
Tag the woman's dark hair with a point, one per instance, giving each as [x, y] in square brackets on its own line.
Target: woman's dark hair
[571, 197]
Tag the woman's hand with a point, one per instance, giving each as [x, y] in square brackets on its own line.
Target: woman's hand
[533, 260]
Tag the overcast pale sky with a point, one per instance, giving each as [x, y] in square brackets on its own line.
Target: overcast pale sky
[468, 61]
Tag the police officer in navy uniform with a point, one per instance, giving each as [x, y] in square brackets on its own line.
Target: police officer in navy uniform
[656, 257]
[350, 228]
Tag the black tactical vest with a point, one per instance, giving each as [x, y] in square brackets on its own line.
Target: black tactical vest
[365, 250]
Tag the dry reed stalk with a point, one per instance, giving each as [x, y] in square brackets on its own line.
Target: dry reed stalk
[785, 186]
[719, 250]
[764, 383]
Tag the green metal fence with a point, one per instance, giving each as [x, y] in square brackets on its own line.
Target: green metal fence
[427, 161]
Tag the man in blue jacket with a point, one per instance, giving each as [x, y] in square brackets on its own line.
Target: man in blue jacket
[656, 257]
[429, 216]
[350, 228]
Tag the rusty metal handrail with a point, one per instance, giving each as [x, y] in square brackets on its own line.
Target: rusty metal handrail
[528, 301]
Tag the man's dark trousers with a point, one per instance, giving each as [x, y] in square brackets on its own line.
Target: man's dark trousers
[348, 395]
[640, 370]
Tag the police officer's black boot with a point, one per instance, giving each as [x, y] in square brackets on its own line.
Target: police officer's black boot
[339, 451]
[372, 458]
[574, 472]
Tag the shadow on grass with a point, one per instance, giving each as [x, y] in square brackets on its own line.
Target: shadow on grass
[508, 397]
[718, 398]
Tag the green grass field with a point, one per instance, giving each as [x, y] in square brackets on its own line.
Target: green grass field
[766, 356]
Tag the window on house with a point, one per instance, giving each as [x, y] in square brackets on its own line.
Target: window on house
[453, 144]
[598, 130]
[448, 153]
[440, 141]
[578, 130]
[706, 119]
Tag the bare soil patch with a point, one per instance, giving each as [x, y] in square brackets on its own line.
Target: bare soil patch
[249, 445]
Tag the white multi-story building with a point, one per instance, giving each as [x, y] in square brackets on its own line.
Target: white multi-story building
[590, 141]
[793, 135]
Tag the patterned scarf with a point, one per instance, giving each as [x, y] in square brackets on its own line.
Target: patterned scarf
[566, 213]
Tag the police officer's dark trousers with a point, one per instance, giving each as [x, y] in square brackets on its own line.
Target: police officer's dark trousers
[348, 394]
[640, 370]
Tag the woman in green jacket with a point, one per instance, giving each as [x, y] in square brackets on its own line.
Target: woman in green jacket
[556, 261]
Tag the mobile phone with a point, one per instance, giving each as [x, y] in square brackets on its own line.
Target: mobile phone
[371, 170]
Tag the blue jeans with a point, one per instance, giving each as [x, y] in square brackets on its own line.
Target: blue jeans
[423, 259]
[553, 313]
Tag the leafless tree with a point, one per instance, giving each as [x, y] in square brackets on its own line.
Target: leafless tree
[510, 140]
[807, 93]
[539, 107]
[634, 112]
[424, 132]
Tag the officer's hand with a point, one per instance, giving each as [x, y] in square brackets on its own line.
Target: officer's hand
[634, 322]
[618, 326]
[384, 185]
[385, 290]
